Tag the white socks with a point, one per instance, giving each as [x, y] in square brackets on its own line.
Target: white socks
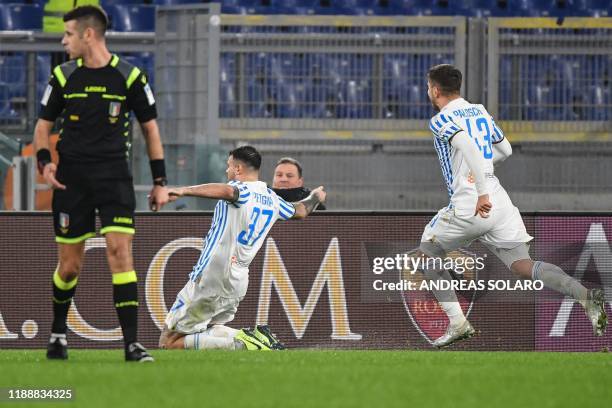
[554, 278]
[447, 298]
[215, 337]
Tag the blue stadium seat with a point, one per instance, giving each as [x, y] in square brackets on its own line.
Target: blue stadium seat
[554, 8]
[133, 18]
[571, 8]
[227, 86]
[177, 2]
[7, 113]
[380, 7]
[105, 3]
[233, 9]
[20, 17]
[405, 86]
[258, 103]
[43, 67]
[227, 97]
[599, 8]
[144, 61]
[549, 88]
[493, 8]
[43, 71]
[437, 7]
[592, 86]
[12, 73]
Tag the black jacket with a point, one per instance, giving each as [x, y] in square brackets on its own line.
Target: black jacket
[295, 194]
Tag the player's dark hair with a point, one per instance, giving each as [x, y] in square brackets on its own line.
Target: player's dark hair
[291, 160]
[247, 155]
[89, 16]
[446, 77]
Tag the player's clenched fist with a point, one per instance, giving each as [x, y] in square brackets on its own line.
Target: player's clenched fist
[320, 193]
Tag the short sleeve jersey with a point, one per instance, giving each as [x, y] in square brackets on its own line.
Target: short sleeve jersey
[94, 105]
[238, 230]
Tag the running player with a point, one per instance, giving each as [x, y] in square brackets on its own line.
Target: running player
[468, 144]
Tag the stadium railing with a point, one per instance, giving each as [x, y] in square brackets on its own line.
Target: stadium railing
[295, 83]
[551, 79]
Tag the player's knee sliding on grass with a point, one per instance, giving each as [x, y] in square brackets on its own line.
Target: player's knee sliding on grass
[468, 144]
[246, 211]
[223, 338]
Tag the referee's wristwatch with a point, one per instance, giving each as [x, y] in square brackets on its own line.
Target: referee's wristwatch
[163, 182]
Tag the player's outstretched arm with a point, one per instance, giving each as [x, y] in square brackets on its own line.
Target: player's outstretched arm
[217, 191]
[501, 151]
[309, 204]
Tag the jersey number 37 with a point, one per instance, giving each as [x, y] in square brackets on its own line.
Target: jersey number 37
[249, 237]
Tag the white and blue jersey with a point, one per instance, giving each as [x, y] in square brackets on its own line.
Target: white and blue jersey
[474, 119]
[236, 234]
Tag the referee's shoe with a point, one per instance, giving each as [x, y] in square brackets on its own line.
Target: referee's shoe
[136, 352]
[57, 349]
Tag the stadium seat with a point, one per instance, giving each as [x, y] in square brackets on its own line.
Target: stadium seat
[13, 74]
[404, 85]
[258, 104]
[177, 2]
[227, 82]
[134, 18]
[20, 17]
[570, 8]
[549, 91]
[6, 111]
[43, 71]
[378, 7]
[599, 8]
[145, 61]
[105, 3]
[227, 100]
[591, 86]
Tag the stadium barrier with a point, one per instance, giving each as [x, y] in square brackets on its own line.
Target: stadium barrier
[313, 281]
[550, 78]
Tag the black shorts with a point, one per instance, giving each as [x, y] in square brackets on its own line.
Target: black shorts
[105, 188]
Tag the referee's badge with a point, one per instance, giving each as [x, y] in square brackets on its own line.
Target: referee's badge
[64, 222]
[114, 109]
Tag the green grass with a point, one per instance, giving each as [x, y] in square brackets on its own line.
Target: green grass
[308, 378]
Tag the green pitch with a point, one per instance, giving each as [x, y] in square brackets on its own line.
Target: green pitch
[304, 378]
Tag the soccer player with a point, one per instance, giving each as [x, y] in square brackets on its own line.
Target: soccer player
[246, 211]
[468, 144]
[93, 94]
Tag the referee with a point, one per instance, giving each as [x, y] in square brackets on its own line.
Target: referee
[93, 94]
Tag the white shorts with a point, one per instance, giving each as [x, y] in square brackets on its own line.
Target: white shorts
[504, 228]
[194, 311]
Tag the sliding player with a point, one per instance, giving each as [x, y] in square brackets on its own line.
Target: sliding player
[246, 211]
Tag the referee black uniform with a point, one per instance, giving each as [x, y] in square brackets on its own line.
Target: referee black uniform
[94, 105]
